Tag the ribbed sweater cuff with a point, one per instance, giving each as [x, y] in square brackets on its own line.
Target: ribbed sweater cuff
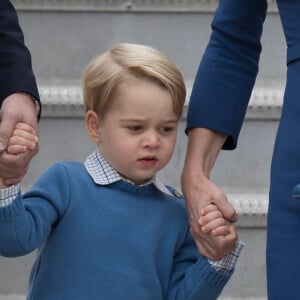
[207, 281]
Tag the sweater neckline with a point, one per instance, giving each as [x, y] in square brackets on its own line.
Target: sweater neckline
[136, 189]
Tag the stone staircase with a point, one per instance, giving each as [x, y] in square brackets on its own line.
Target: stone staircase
[64, 35]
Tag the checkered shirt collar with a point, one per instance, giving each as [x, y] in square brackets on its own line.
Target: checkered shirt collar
[103, 174]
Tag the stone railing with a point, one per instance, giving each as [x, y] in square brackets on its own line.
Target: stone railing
[66, 102]
[125, 5]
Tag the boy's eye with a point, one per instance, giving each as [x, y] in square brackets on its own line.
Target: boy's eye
[166, 129]
[135, 128]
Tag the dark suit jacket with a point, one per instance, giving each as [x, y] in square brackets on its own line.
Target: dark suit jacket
[15, 60]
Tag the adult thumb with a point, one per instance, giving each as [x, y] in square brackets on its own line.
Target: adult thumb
[228, 211]
[6, 128]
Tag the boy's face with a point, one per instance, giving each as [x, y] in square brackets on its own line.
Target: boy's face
[138, 133]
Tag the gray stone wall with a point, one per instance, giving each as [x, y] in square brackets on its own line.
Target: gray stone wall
[64, 35]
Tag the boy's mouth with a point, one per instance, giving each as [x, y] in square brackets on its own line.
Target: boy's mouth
[148, 161]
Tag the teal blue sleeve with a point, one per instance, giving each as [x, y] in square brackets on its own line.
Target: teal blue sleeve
[193, 277]
[228, 69]
[26, 223]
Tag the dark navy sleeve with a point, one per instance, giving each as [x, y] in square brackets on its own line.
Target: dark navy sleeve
[228, 69]
[16, 73]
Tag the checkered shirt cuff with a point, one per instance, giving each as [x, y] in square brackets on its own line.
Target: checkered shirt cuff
[8, 195]
[228, 262]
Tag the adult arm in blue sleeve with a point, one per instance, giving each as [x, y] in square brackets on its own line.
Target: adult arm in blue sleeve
[228, 69]
[217, 108]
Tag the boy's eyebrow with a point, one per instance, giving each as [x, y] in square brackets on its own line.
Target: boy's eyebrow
[170, 121]
[137, 120]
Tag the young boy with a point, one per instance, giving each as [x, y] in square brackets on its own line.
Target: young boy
[109, 229]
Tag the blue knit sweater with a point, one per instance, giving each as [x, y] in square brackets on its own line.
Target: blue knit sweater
[113, 242]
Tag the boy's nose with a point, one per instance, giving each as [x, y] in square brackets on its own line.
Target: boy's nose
[152, 140]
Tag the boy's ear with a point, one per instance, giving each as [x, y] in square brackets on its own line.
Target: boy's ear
[92, 124]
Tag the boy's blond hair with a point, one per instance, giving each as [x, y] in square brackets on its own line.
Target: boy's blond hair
[124, 63]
